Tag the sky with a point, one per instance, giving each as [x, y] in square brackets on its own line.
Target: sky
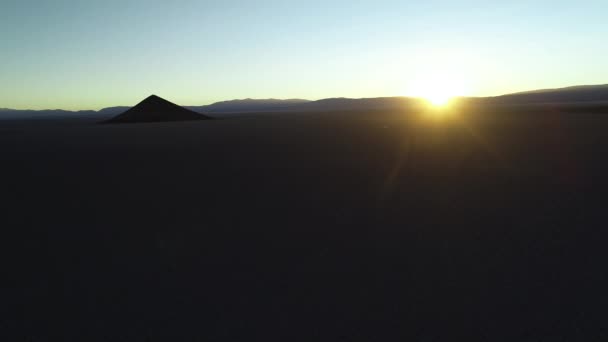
[73, 55]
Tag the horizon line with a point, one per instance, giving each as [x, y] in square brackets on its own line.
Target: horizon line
[314, 100]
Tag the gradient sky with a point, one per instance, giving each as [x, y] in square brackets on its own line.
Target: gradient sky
[91, 54]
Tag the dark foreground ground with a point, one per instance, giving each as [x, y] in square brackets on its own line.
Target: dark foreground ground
[307, 227]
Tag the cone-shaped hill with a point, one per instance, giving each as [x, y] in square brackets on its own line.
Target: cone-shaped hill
[156, 109]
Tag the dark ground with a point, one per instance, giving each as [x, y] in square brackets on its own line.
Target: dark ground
[306, 227]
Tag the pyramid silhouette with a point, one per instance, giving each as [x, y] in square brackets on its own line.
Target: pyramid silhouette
[156, 109]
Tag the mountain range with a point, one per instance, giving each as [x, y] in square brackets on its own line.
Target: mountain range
[584, 95]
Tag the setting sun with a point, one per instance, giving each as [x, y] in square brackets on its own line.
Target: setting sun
[439, 99]
[437, 89]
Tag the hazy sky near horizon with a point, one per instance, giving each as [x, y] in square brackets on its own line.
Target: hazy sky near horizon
[91, 54]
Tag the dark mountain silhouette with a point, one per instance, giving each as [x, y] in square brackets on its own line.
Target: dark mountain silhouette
[347, 104]
[113, 110]
[576, 94]
[156, 109]
[300, 105]
[579, 89]
[248, 105]
[7, 113]
[583, 95]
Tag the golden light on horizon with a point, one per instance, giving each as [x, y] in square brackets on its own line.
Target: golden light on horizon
[439, 99]
[437, 89]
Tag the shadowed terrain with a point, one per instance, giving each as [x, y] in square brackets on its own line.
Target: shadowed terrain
[342, 226]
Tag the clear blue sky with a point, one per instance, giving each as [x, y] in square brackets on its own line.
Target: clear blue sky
[91, 54]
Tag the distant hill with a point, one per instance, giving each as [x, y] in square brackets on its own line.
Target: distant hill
[11, 114]
[248, 105]
[576, 94]
[570, 95]
[113, 110]
[156, 109]
[347, 104]
[299, 105]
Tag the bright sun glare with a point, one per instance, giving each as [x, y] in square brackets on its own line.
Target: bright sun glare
[439, 99]
[438, 90]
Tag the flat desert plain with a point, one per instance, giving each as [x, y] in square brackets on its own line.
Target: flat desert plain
[361, 226]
